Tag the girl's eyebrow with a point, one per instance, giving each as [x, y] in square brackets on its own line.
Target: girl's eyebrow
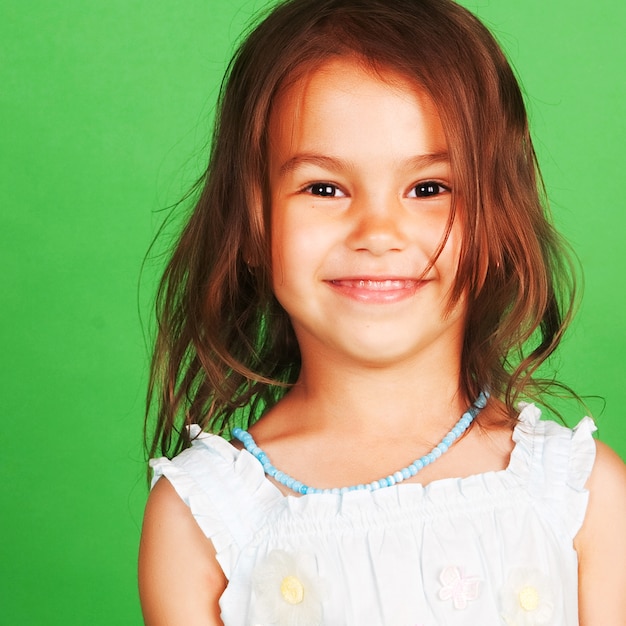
[312, 159]
[424, 160]
[416, 162]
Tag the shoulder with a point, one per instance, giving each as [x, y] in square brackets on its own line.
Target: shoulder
[607, 496]
[180, 580]
[601, 543]
[609, 470]
[607, 493]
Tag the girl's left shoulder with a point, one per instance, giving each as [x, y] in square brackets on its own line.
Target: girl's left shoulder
[601, 543]
[607, 489]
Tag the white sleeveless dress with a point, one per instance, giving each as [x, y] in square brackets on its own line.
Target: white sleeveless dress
[490, 549]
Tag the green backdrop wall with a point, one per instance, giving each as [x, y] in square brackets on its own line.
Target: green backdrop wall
[105, 109]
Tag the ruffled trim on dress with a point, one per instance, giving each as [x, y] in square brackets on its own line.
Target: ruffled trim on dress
[549, 462]
[232, 499]
[555, 463]
[225, 488]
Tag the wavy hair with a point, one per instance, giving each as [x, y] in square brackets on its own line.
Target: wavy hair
[225, 349]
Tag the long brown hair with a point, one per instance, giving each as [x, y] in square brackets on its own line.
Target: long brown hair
[225, 349]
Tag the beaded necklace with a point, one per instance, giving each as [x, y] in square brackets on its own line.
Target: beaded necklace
[397, 477]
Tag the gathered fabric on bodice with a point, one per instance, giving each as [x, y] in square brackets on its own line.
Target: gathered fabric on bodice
[489, 549]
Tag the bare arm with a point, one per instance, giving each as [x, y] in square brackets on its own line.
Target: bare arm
[601, 544]
[180, 580]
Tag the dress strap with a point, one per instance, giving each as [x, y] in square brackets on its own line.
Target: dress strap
[555, 462]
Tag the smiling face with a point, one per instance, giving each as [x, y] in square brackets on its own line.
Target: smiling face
[360, 199]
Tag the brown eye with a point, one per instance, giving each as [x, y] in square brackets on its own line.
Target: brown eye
[427, 189]
[324, 190]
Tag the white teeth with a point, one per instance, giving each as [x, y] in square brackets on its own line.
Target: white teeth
[382, 285]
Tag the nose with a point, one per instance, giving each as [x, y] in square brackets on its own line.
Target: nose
[377, 226]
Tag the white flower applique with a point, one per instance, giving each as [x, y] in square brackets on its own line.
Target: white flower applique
[287, 590]
[458, 587]
[527, 598]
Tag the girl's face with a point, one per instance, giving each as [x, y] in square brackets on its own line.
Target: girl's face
[360, 185]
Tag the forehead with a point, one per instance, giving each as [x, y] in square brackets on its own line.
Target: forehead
[343, 72]
[344, 101]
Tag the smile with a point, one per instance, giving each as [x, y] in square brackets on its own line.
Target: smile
[377, 285]
[377, 290]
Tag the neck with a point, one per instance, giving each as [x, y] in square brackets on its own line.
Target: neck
[420, 395]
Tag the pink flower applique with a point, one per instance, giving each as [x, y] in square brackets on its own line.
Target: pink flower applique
[458, 587]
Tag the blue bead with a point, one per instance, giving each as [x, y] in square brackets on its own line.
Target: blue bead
[459, 428]
[335, 491]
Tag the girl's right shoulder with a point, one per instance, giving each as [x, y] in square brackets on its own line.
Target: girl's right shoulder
[180, 579]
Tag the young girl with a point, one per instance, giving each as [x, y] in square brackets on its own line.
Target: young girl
[359, 301]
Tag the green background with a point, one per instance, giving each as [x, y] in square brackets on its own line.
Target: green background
[105, 110]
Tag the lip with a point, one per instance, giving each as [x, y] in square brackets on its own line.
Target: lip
[377, 289]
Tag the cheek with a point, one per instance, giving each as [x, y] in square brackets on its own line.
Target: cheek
[455, 242]
[277, 240]
[452, 249]
[298, 237]
[430, 237]
[450, 258]
[286, 241]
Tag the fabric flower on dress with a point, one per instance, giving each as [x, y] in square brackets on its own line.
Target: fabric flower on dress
[527, 598]
[458, 587]
[288, 590]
